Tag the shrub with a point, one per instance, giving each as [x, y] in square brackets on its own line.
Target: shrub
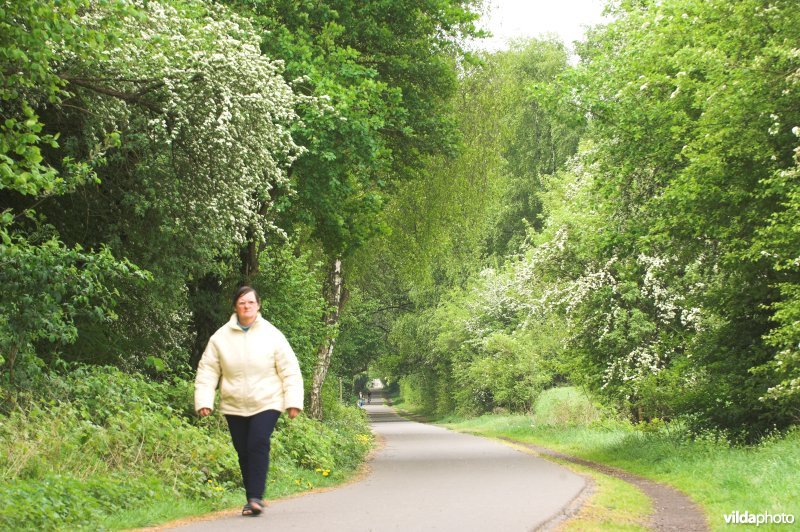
[565, 406]
[97, 440]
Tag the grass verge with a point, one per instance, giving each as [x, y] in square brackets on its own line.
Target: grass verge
[612, 504]
[615, 505]
[721, 478]
[164, 514]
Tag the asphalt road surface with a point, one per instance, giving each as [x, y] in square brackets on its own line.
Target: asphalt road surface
[426, 478]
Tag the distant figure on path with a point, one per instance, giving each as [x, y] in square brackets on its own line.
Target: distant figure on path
[369, 396]
[259, 377]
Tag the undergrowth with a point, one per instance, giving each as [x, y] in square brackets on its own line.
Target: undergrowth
[97, 443]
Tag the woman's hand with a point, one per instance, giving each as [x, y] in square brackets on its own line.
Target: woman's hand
[292, 412]
[203, 412]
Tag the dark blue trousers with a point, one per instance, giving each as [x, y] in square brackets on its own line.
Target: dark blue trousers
[251, 436]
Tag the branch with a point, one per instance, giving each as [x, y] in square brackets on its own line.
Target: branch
[399, 306]
[81, 109]
[135, 97]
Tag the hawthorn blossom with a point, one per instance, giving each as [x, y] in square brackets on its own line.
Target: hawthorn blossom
[213, 112]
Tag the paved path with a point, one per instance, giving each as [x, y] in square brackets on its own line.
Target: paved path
[427, 478]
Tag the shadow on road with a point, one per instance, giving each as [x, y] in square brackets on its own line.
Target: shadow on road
[379, 411]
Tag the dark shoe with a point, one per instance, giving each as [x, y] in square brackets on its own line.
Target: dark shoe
[247, 509]
[256, 506]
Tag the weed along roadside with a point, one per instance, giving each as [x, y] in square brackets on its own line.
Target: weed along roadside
[705, 479]
[102, 449]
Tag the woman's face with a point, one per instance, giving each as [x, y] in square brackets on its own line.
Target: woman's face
[247, 308]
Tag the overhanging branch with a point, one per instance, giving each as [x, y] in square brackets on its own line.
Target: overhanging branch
[132, 97]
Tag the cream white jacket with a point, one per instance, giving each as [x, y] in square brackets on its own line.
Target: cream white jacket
[256, 370]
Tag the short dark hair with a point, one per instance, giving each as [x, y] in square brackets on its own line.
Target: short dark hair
[245, 290]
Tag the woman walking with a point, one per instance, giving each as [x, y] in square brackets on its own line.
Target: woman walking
[259, 377]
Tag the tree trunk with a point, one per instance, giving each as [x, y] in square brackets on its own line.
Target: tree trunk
[333, 297]
[249, 255]
[251, 252]
[12, 358]
[205, 294]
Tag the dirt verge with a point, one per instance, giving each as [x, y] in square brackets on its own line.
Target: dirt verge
[672, 510]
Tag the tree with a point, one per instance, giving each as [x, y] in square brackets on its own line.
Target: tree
[542, 131]
[204, 144]
[692, 107]
[444, 230]
[47, 285]
[383, 107]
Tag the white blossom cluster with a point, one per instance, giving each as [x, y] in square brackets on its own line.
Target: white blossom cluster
[639, 363]
[669, 303]
[524, 293]
[515, 295]
[215, 113]
[786, 362]
[670, 314]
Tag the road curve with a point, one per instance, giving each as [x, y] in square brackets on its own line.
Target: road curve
[426, 478]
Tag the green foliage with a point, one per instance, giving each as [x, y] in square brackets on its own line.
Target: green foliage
[684, 167]
[48, 286]
[68, 502]
[565, 407]
[363, 328]
[660, 271]
[385, 75]
[98, 440]
[291, 299]
[187, 150]
[336, 446]
[541, 130]
[45, 288]
[413, 299]
[27, 60]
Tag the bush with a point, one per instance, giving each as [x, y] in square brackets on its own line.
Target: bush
[57, 501]
[565, 406]
[98, 440]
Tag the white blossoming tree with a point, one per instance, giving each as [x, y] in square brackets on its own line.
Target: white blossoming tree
[204, 116]
[203, 124]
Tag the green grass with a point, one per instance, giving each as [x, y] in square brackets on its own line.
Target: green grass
[615, 506]
[720, 477]
[166, 511]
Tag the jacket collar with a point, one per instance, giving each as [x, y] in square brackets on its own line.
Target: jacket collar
[233, 323]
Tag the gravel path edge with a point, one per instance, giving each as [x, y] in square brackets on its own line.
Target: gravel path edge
[673, 509]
